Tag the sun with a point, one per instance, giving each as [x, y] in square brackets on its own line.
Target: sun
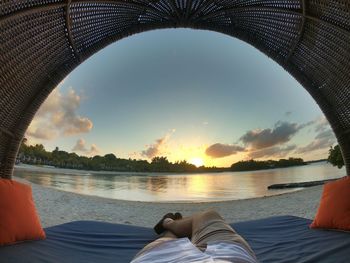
[197, 161]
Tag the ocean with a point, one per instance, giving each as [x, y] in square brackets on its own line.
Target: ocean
[164, 187]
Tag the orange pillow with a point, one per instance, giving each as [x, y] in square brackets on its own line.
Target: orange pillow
[334, 209]
[18, 217]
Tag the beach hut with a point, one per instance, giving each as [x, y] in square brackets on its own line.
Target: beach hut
[42, 41]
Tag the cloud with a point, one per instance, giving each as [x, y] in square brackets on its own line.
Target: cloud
[134, 155]
[321, 124]
[280, 134]
[58, 117]
[37, 131]
[323, 140]
[219, 150]
[81, 147]
[275, 152]
[94, 150]
[304, 125]
[271, 142]
[324, 136]
[261, 142]
[156, 149]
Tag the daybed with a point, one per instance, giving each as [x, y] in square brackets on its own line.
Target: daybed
[276, 239]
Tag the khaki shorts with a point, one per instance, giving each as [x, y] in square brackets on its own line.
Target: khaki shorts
[217, 230]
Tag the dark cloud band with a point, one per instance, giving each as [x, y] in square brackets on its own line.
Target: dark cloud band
[219, 150]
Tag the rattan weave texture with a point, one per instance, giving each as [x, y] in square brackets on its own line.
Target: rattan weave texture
[42, 41]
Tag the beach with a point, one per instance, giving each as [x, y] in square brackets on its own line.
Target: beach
[58, 207]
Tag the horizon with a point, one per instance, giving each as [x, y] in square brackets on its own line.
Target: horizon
[230, 103]
[197, 166]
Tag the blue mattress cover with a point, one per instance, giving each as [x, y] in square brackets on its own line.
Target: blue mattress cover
[274, 239]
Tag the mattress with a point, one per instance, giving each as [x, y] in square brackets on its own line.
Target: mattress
[275, 239]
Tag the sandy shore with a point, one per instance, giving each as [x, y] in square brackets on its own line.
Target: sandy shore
[57, 207]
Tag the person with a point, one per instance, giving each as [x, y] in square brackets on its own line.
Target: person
[203, 237]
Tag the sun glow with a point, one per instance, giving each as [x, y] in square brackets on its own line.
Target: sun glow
[197, 161]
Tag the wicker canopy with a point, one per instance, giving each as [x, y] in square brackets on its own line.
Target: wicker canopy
[42, 41]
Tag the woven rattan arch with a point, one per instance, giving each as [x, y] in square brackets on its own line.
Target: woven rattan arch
[43, 40]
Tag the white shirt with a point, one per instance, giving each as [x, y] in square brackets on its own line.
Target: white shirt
[183, 251]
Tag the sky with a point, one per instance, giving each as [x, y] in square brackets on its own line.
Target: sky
[192, 95]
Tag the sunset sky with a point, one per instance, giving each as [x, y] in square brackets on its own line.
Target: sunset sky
[184, 94]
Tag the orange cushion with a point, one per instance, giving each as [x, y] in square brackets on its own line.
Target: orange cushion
[18, 217]
[334, 208]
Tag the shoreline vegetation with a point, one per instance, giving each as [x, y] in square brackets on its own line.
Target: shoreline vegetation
[37, 155]
[253, 165]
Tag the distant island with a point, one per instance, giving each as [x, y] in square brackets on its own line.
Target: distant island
[253, 165]
[317, 161]
[37, 155]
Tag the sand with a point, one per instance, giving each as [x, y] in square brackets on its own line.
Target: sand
[57, 207]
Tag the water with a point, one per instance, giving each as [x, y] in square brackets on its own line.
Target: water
[176, 187]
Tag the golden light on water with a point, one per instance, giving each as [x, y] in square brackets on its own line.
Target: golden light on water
[198, 186]
[197, 161]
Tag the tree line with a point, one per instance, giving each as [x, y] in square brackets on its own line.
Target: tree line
[335, 157]
[252, 165]
[37, 155]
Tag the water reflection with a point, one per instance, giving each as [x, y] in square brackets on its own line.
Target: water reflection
[175, 187]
